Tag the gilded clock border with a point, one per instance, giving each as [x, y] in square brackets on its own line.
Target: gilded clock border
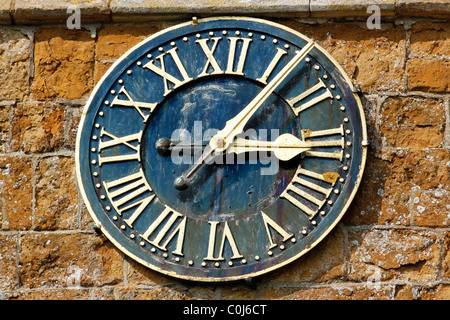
[260, 272]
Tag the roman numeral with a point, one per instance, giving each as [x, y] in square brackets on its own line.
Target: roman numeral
[307, 104]
[209, 53]
[138, 105]
[307, 134]
[116, 141]
[272, 65]
[167, 220]
[167, 77]
[227, 236]
[232, 53]
[127, 193]
[268, 222]
[307, 201]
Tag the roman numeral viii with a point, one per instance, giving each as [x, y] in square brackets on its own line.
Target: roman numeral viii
[158, 233]
[129, 193]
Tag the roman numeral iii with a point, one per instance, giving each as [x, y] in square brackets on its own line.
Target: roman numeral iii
[309, 190]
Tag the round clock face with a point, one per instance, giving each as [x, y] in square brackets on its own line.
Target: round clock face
[221, 149]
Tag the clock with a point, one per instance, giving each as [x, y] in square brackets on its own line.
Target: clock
[221, 148]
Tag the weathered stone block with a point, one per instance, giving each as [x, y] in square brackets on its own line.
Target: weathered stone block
[37, 127]
[428, 67]
[4, 127]
[132, 292]
[113, 41]
[413, 122]
[422, 8]
[446, 257]
[427, 168]
[332, 292]
[64, 63]
[86, 222]
[437, 292]
[389, 184]
[345, 8]
[429, 40]
[429, 75]
[8, 262]
[73, 116]
[55, 11]
[73, 293]
[146, 10]
[56, 195]
[15, 48]
[394, 205]
[362, 211]
[5, 7]
[100, 69]
[238, 292]
[51, 294]
[16, 192]
[137, 274]
[373, 59]
[379, 255]
[431, 208]
[323, 263]
[57, 260]
[426, 292]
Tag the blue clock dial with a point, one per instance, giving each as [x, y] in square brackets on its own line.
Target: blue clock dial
[221, 150]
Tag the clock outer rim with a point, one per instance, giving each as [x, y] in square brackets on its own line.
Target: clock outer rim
[97, 222]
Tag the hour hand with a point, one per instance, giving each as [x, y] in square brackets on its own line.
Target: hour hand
[166, 145]
[182, 182]
[285, 147]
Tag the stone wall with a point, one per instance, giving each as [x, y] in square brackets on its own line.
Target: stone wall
[394, 241]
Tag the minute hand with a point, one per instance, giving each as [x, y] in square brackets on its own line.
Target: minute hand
[236, 125]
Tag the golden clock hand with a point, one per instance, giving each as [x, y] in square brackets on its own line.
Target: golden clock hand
[182, 182]
[236, 125]
[164, 145]
[285, 147]
[222, 140]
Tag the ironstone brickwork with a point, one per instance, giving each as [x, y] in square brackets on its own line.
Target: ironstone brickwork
[394, 241]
